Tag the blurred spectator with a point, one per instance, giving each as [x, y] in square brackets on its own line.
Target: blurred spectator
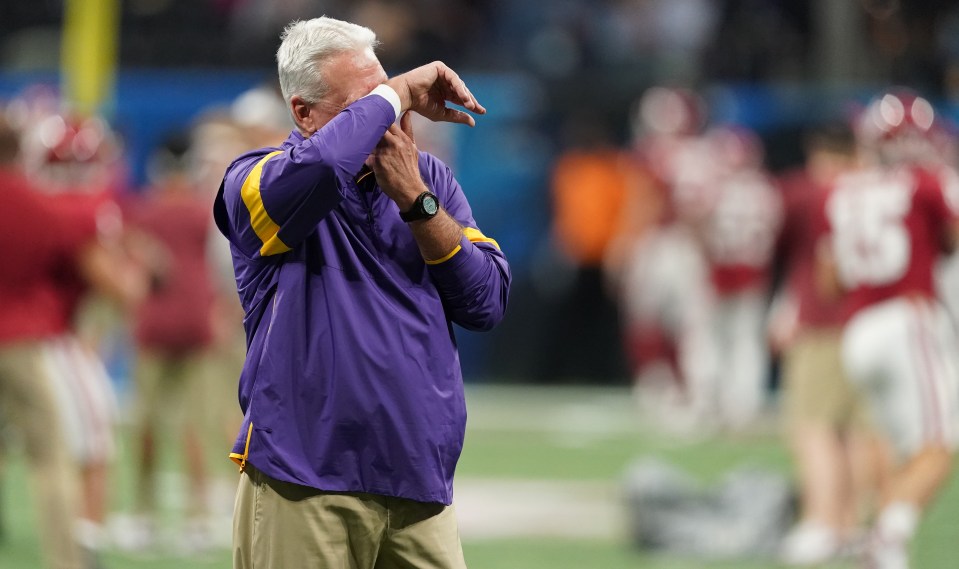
[760, 39]
[666, 38]
[215, 140]
[825, 417]
[903, 39]
[590, 184]
[216, 136]
[692, 41]
[262, 115]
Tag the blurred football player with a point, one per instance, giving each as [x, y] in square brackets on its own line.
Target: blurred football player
[52, 245]
[701, 274]
[889, 222]
[741, 214]
[824, 416]
[174, 332]
[658, 265]
[75, 160]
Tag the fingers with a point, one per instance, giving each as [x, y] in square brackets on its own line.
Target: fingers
[447, 114]
[397, 136]
[456, 116]
[461, 94]
[406, 125]
[430, 86]
[389, 137]
[469, 101]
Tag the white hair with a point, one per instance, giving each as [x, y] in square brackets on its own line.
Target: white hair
[307, 45]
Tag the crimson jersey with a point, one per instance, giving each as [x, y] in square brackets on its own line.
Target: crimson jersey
[41, 240]
[737, 210]
[888, 230]
[802, 199]
[741, 229]
[177, 316]
[105, 213]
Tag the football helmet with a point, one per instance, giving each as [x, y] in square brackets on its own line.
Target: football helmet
[669, 111]
[65, 150]
[900, 126]
[735, 147]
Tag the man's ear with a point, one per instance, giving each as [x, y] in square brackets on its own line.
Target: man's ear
[301, 114]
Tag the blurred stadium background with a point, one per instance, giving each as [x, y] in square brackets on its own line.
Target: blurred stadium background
[540, 486]
[541, 479]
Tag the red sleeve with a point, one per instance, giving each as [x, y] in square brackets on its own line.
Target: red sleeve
[76, 224]
[38, 232]
[818, 219]
[28, 230]
[938, 191]
[795, 194]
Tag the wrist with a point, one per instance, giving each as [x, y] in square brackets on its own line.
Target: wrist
[392, 97]
[424, 207]
[402, 89]
[407, 199]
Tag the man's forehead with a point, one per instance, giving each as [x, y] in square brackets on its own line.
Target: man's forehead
[353, 62]
[367, 59]
[348, 72]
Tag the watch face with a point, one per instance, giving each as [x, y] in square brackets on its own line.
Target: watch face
[429, 205]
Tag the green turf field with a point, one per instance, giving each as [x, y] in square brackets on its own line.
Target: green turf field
[537, 488]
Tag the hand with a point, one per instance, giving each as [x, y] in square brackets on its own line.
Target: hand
[426, 90]
[395, 162]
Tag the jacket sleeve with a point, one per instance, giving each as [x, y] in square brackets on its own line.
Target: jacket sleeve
[474, 279]
[274, 199]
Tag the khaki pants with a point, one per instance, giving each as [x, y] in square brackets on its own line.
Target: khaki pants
[277, 525]
[815, 387]
[28, 403]
[172, 403]
[172, 390]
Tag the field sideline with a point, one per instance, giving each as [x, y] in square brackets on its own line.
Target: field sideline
[538, 487]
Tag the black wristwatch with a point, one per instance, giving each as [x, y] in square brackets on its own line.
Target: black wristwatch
[425, 207]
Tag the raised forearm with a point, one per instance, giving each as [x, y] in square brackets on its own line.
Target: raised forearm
[437, 237]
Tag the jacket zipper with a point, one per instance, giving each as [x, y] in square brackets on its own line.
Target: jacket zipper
[367, 206]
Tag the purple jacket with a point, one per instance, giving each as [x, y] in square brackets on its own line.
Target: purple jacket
[352, 379]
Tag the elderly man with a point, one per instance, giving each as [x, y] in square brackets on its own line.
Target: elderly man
[354, 253]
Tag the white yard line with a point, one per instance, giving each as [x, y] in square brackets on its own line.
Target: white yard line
[512, 508]
[592, 412]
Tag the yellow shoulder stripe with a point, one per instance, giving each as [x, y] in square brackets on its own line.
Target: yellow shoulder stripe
[476, 236]
[264, 226]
